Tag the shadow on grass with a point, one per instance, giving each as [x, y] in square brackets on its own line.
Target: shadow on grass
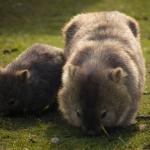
[16, 123]
[21, 121]
[74, 137]
[68, 135]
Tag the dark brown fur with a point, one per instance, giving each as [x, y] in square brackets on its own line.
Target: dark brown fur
[29, 84]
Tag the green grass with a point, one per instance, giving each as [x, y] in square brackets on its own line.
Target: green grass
[24, 22]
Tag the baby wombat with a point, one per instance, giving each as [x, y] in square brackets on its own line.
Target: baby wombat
[103, 78]
[29, 84]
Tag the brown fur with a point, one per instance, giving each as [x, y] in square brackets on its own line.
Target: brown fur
[103, 78]
[29, 84]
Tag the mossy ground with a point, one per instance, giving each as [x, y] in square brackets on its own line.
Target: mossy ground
[24, 22]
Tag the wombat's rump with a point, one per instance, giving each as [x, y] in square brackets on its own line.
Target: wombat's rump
[29, 84]
[103, 78]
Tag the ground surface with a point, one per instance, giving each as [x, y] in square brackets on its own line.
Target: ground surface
[23, 23]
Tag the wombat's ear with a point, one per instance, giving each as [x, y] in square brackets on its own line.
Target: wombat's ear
[117, 74]
[133, 25]
[69, 30]
[23, 74]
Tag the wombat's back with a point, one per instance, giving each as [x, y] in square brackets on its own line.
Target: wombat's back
[113, 28]
[38, 53]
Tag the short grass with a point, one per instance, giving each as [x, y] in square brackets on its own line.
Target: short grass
[24, 22]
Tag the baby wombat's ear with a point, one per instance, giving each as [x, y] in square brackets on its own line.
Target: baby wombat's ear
[23, 74]
[133, 25]
[117, 74]
[69, 30]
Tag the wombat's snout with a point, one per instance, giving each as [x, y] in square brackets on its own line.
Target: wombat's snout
[90, 132]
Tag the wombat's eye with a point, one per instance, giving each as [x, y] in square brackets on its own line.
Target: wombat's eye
[103, 114]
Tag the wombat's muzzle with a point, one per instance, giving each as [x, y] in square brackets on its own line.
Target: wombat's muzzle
[90, 131]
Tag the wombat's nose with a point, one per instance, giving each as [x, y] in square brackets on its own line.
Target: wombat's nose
[91, 133]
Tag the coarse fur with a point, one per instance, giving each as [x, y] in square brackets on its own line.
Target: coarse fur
[29, 84]
[103, 78]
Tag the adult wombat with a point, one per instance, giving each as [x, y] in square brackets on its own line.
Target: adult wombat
[103, 78]
[29, 84]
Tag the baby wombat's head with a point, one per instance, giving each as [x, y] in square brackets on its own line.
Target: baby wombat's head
[94, 96]
[11, 86]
